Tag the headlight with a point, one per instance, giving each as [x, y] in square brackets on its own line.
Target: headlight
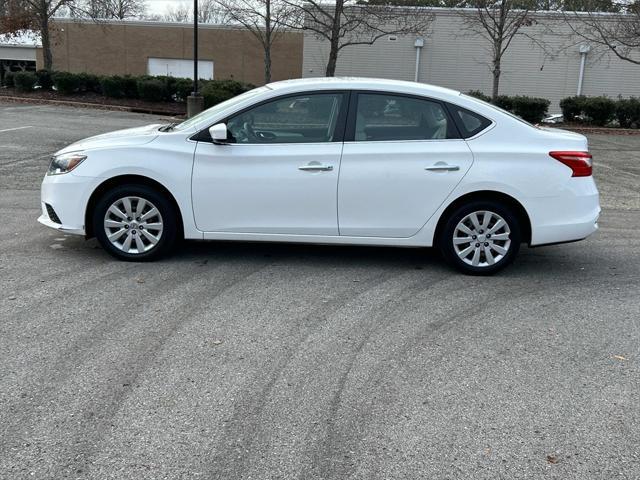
[65, 163]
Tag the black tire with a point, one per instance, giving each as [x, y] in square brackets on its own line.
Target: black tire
[451, 255]
[168, 215]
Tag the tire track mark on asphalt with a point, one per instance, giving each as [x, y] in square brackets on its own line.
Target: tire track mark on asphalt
[327, 460]
[145, 357]
[246, 415]
[350, 437]
[140, 356]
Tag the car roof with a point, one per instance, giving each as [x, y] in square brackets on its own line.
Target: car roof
[360, 83]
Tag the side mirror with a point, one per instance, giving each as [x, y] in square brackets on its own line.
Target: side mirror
[218, 133]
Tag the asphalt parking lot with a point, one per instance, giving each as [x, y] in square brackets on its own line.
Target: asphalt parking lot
[261, 361]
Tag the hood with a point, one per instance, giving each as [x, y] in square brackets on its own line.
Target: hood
[119, 138]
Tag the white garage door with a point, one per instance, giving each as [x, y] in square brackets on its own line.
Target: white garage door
[180, 68]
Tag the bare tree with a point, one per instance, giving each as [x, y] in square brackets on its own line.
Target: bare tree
[264, 19]
[617, 32]
[37, 16]
[350, 23]
[118, 9]
[15, 16]
[208, 12]
[498, 22]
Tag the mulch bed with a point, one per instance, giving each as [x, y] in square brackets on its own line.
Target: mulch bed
[93, 100]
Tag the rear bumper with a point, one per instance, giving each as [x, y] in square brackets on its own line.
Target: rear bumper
[568, 217]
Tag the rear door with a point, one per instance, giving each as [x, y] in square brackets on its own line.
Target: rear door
[402, 157]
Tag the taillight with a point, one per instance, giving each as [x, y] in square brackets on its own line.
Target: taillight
[579, 162]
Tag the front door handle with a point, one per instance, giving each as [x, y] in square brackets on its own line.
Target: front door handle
[442, 167]
[316, 167]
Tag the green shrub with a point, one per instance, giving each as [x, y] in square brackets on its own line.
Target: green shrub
[9, 79]
[170, 87]
[628, 112]
[599, 110]
[119, 87]
[25, 81]
[45, 79]
[479, 95]
[112, 86]
[130, 86]
[531, 109]
[66, 83]
[504, 101]
[89, 82]
[213, 95]
[216, 91]
[232, 86]
[572, 107]
[152, 89]
[183, 88]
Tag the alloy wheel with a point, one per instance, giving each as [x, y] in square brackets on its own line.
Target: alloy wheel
[482, 238]
[133, 225]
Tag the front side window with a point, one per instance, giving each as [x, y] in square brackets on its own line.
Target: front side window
[381, 117]
[295, 119]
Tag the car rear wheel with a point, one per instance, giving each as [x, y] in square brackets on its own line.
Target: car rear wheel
[480, 238]
[135, 223]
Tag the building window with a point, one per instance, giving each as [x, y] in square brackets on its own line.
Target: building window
[179, 68]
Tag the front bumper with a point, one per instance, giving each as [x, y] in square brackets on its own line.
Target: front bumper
[46, 221]
[67, 196]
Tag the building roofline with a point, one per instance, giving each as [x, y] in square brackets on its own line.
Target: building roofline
[457, 11]
[153, 23]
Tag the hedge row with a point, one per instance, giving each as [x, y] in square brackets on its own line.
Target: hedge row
[531, 109]
[601, 111]
[145, 87]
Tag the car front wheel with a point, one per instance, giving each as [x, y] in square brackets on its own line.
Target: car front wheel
[480, 238]
[135, 223]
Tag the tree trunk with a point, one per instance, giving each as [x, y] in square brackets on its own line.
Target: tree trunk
[496, 78]
[334, 41]
[267, 63]
[46, 42]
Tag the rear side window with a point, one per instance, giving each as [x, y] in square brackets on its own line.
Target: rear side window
[469, 123]
[388, 117]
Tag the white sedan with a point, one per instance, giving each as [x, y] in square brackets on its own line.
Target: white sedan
[341, 161]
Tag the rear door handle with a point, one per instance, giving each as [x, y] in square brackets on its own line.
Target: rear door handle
[442, 167]
[316, 167]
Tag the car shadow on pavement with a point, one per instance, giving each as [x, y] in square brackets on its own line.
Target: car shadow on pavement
[557, 260]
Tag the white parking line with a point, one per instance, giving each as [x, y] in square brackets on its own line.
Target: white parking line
[15, 128]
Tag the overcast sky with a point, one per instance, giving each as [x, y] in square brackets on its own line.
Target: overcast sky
[160, 6]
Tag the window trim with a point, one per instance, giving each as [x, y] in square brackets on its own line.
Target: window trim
[339, 128]
[350, 131]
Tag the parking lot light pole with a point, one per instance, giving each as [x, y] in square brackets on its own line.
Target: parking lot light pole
[195, 101]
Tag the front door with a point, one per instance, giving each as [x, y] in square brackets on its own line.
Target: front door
[279, 172]
[401, 159]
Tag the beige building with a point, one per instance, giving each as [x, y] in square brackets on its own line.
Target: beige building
[454, 58]
[137, 48]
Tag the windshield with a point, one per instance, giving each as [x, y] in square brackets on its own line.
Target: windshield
[506, 112]
[208, 115]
